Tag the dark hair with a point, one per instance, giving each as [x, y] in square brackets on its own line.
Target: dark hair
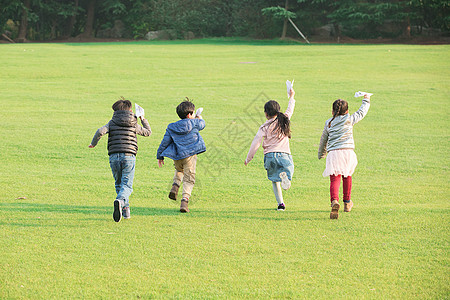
[122, 105]
[272, 109]
[184, 108]
[340, 107]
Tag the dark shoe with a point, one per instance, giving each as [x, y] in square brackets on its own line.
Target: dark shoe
[126, 212]
[117, 214]
[334, 209]
[174, 191]
[281, 207]
[348, 206]
[184, 206]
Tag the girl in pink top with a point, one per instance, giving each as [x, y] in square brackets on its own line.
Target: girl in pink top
[274, 135]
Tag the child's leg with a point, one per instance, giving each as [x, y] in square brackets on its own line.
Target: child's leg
[178, 177]
[278, 192]
[128, 163]
[347, 187]
[189, 166]
[116, 170]
[335, 182]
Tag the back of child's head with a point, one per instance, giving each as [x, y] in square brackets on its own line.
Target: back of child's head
[340, 107]
[185, 108]
[272, 109]
[122, 105]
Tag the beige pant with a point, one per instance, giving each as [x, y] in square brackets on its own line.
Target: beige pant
[185, 171]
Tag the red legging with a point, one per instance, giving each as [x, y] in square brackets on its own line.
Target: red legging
[335, 182]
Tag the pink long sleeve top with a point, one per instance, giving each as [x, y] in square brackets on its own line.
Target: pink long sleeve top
[268, 135]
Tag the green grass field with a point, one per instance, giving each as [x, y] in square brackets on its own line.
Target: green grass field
[57, 236]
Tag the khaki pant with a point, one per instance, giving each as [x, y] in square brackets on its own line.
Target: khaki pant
[185, 171]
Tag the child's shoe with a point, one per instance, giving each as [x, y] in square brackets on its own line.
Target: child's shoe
[285, 182]
[348, 206]
[174, 191]
[117, 214]
[334, 209]
[184, 206]
[126, 212]
[281, 207]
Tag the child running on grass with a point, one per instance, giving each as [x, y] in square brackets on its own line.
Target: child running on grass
[182, 142]
[337, 140]
[122, 149]
[274, 135]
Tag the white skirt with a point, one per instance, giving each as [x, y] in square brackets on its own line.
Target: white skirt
[340, 162]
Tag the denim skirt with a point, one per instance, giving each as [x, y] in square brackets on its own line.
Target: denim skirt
[277, 162]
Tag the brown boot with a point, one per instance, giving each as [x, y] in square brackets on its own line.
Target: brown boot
[348, 206]
[334, 209]
[174, 191]
[184, 206]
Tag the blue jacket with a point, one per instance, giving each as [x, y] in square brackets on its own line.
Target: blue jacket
[182, 139]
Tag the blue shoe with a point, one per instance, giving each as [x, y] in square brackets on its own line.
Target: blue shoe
[117, 214]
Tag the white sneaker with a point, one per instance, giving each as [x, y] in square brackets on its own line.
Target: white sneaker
[285, 182]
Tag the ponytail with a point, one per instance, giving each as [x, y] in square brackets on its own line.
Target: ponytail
[283, 126]
[340, 107]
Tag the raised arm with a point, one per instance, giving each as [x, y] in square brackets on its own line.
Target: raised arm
[145, 129]
[98, 134]
[254, 147]
[291, 105]
[362, 111]
[200, 123]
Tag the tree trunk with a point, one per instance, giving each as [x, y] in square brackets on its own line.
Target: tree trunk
[407, 28]
[71, 22]
[53, 30]
[22, 36]
[337, 32]
[283, 34]
[89, 27]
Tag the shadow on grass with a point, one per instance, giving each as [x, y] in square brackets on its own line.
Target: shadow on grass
[260, 214]
[263, 214]
[88, 210]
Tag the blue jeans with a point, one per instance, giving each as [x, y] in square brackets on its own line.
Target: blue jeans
[122, 167]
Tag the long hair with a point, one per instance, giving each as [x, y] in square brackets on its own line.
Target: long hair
[283, 127]
[340, 107]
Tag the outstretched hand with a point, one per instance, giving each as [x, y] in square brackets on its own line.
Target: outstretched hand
[366, 96]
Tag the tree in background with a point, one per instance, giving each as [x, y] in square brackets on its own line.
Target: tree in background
[280, 14]
[54, 19]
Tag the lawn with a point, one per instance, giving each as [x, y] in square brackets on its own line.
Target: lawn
[57, 236]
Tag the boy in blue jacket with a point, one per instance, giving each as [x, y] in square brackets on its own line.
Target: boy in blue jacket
[182, 142]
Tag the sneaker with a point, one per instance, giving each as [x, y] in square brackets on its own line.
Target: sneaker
[285, 182]
[348, 206]
[174, 191]
[126, 212]
[184, 206]
[281, 207]
[334, 209]
[117, 214]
